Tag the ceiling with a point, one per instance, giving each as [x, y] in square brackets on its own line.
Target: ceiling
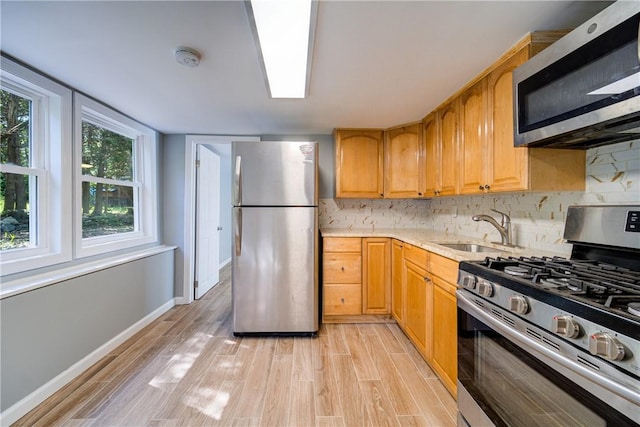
[375, 63]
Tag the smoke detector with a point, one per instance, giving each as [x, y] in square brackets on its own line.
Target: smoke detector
[187, 56]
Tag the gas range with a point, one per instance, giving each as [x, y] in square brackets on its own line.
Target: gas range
[581, 315]
[591, 305]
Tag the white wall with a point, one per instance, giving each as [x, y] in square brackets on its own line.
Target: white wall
[613, 177]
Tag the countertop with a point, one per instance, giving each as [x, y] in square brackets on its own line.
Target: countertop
[429, 240]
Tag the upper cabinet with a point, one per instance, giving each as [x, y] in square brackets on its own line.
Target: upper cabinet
[465, 146]
[488, 160]
[359, 163]
[509, 168]
[473, 138]
[440, 130]
[404, 163]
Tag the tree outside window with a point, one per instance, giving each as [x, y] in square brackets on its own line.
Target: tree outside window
[107, 182]
[15, 125]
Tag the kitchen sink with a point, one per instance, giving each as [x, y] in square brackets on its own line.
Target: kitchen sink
[469, 247]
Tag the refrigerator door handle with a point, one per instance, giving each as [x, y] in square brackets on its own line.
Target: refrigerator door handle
[238, 230]
[237, 188]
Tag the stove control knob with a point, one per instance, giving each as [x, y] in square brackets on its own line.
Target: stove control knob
[518, 304]
[565, 326]
[485, 288]
[604, 345]
[469, 282]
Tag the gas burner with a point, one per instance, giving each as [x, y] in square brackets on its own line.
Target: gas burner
[514, 270]
[634, 308]
[556, 283]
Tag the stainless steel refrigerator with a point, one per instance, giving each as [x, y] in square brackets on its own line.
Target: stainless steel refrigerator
[275, 238]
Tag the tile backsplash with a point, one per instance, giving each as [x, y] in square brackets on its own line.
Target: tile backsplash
[613, 177]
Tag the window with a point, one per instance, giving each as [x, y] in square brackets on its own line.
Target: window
[69, 191]
[35, 119]
[116, 180]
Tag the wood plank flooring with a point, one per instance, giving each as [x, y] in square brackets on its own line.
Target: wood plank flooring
[187, 369]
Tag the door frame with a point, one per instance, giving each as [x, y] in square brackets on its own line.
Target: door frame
[190, 155]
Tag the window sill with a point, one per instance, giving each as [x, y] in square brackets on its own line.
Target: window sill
[26, 284]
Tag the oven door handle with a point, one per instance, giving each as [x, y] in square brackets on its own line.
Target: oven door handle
[531, 346]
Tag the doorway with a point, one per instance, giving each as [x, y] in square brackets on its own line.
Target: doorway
[221, 145]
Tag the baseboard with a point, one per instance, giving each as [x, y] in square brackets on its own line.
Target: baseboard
[224, 263]
[19, 409]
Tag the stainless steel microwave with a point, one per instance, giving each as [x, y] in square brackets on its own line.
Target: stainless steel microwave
[584, 90]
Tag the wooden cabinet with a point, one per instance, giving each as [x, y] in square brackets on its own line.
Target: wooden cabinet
[444, 322]
[432, 154]
[359, 163]
[488, 160]
[397, 282]
[509, 168]
[449, 148]
[473, 147]
[376, 275]
[440, 133]
[424, 305]
[444, 355]
[418, 305]
[404, 162]
[342, 276]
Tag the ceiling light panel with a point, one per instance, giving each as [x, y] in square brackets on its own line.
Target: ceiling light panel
[283, 29]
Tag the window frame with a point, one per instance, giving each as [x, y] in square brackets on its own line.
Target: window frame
[144, 179]
[51, 123]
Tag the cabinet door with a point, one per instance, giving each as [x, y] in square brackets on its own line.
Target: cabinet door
[508, 165]
[449, 148]
[359, 163]
[404, 154]
[473, 139]
[445, 333]
[397, 279]
[432, 155]
[376, 276]
[418, 306]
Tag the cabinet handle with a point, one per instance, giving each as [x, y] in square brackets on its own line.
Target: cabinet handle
[426, 279]
[381, 195]
[487, 187]
[481, 188]
[342, 300]
[342, 268]
[419, 194]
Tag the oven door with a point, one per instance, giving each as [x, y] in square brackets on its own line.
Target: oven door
[505, 379]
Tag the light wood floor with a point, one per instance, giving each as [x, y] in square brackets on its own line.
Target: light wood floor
[187, 368]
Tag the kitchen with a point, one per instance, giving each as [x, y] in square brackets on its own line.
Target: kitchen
[538, 218]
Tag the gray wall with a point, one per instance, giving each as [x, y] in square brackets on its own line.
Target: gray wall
[46, 331]
[173, 173]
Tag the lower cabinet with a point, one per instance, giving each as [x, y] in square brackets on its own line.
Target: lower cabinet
[356, 278]
[444, 353]
[397, 282]
[342, 276]
[376, 275]
[424, 304]
[418, 306]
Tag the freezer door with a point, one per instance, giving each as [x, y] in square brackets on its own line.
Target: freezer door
[275, 173]
[275, 270]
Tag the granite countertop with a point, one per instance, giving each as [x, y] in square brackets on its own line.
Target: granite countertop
[429, 240]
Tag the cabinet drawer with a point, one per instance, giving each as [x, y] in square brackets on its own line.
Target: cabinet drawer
[342, 299]
[342, 268]
[342, 244]
[416, 255]
[444, 268]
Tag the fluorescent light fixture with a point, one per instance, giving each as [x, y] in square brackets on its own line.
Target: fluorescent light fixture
[284, 30]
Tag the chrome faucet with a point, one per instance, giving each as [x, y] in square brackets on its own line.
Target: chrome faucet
[504, 228]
